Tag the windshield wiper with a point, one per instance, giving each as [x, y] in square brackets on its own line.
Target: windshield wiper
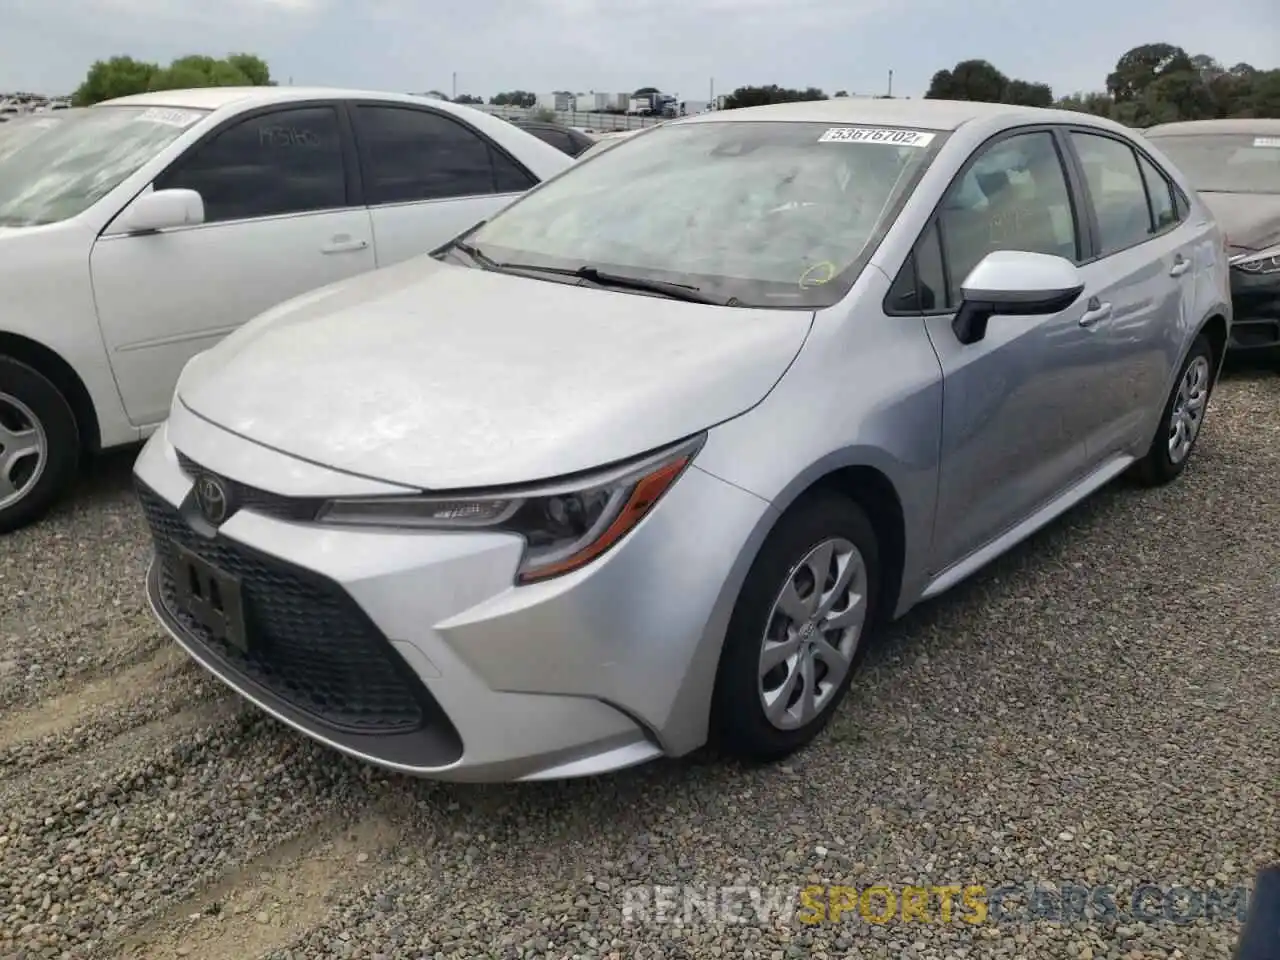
[665, 288]
[460, 243]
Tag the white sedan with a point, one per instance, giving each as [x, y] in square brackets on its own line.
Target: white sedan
[137, 233]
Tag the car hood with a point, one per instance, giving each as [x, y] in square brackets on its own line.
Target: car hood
[438, 376]
[1251, 221]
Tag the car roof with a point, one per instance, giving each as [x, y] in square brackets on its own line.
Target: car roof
[926, 114]
[1234, 125]
[216, 98]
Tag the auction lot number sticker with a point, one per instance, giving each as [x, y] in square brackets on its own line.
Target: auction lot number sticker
[896, 138]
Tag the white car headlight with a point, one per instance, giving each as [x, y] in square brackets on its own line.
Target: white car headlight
[565, 525]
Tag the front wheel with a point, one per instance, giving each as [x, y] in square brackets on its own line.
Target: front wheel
[795, 638]
[1182, 418]
[39, 444]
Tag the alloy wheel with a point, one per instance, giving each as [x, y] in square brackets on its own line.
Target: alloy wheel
[1188, 409]
[24, 450]
[812, 633]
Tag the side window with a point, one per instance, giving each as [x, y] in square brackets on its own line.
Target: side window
[1014, 196]
[921, 285]
[422, 155]
[1160, 195]
[287, 161]
[509, 176]
[1115, 186]
[556, 138]
[1181, 205]
[931, 274]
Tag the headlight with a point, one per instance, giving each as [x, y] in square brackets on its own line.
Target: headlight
[565, 525]
[1268, 261]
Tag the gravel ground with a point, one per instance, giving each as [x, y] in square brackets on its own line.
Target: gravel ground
[1100, 707]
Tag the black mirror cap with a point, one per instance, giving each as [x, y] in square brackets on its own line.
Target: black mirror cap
[979, 306]
[1260, 936]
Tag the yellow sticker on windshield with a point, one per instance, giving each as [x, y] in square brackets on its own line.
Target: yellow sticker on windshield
[817, 274]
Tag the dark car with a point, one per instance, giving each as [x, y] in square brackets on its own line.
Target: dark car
[1235, 166]
[571, 141]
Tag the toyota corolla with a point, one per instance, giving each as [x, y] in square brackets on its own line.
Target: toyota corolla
[640, 462]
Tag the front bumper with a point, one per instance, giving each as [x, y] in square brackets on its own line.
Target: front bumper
[414, 651]
[1255, 307]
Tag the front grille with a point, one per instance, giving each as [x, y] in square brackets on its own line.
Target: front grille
[309, 643]
[245, 497]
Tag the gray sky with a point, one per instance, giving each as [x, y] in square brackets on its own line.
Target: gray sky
[676, 45]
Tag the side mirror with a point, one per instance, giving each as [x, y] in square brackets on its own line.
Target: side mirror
[163, 210]
[1017, 283]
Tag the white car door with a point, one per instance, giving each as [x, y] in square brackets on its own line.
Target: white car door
[428, 177]
[282, 217]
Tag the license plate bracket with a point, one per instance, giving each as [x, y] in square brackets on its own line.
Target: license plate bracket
[212, 597]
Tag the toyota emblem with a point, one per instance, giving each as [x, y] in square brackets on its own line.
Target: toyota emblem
[213, 499]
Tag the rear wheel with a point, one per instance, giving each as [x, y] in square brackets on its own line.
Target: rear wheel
[795, 639]
[1182, 419]
[39, 444]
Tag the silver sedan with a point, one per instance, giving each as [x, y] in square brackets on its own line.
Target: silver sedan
[642, 461]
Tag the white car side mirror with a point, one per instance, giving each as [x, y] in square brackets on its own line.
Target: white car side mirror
[163, 210]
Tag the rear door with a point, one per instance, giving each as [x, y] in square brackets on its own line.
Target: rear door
[428, 176]
[282, 216]
[1141, 273]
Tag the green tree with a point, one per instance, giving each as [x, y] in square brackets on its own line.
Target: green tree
[980, 80]
[253, 67]
[968, 80]
[468, 98]
[645, 90]
[758, 96]
[1026, 94]
[123, 76]
[199, 71]
[117, 77]
[1140, 67]
[514, 98]
[1096, 103]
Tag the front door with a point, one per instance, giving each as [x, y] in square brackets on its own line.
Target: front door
[277, 224]
[1018, 404]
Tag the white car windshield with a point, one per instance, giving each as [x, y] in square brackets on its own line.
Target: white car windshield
[1222, 163]
[53, 167]
[774, 214]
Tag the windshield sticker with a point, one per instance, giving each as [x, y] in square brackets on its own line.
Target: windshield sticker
[1272, 142]
[817, 274]
[897, 138]
[170, 118]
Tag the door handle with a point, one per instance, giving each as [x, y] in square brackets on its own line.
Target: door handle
[1180, 266]
[344, 243]
[1094, 312]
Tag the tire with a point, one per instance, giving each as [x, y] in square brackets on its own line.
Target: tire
[740, 724]
[33, 413]
[1190, 394]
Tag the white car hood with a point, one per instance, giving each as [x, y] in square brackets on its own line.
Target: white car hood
[443, 377]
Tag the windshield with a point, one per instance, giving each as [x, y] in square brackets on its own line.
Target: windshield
[1219, 163]
[54, 167]
[762, 213]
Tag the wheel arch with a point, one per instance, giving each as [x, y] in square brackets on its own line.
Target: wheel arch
[1215, 328]
[62, 375]
[868, 485]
